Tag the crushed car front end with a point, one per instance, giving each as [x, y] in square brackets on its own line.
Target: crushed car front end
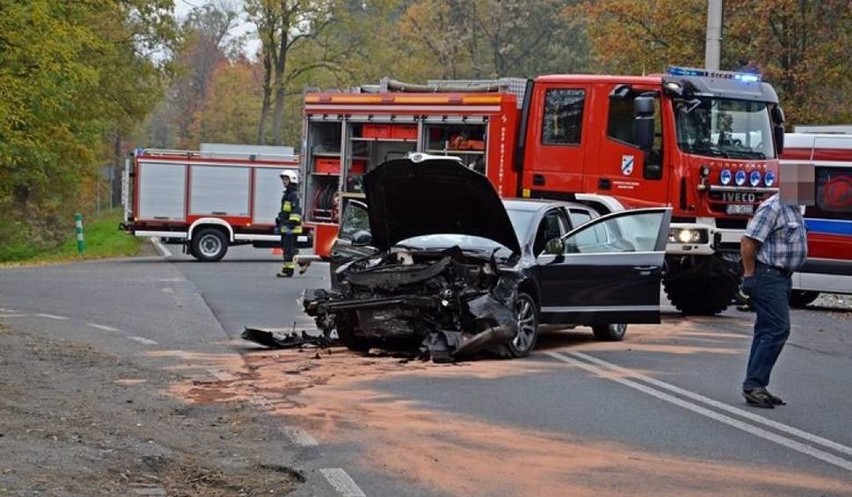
[450, 302]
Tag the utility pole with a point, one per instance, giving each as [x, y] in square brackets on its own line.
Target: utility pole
[713, 49]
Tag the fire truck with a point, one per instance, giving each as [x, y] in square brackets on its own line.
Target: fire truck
[209, 199]
[703, 142]
[829, 222]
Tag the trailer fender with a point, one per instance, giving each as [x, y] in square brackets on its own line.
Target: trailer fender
[206, 221]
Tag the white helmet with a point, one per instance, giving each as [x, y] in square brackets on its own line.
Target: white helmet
[293, 176]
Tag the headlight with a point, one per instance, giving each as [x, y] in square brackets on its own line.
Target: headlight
[769, 179]
[754, 178]
[740, 178]
[685, 235]
[725, 176]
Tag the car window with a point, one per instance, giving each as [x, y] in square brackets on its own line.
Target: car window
[632, 233]
[579, 217]
[552, 225]
[355, 219]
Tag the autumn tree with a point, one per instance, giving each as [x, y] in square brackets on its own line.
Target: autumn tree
[496, 38]
[801, 46]
[71, 75]
[283, 26]
[233, 104]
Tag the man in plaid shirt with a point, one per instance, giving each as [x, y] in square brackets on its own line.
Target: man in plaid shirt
[774, 246]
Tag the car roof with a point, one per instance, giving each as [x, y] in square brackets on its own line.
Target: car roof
[535, 204]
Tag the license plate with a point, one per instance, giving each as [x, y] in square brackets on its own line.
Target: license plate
[740, 209]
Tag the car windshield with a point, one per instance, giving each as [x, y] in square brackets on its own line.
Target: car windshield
[719, 127]
[521, 220]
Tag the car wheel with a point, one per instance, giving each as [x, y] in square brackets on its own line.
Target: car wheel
[610, 332]
[526, 313]
[208, 245]
[346, 333]
[801, 298]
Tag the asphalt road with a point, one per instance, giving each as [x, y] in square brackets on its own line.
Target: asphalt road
[659, 413]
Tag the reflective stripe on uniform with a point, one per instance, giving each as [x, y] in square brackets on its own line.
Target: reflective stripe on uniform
[296, 217]
[287, 206]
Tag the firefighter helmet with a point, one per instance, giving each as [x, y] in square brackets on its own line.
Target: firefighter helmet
[293, 176]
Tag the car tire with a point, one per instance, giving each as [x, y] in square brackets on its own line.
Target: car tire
[610, 332]
[801, 298]
[208, 245]
[526, 313]
[347, 336]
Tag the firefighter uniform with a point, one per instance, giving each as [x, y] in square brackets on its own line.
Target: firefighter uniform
[289, 223]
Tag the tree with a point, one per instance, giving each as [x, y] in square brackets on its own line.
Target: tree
[801, 46]
[71, 74]
[283, 25]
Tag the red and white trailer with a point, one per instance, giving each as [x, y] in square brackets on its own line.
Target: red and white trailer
[207, 200]
[829, 222]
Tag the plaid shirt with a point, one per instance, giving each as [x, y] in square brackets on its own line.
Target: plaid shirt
[781, 230]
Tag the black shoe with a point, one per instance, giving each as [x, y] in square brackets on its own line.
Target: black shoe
[285, 273]
[758, 397]
[776, 401]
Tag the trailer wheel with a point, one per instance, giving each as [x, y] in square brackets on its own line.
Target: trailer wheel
[208, 245]
[801, 298]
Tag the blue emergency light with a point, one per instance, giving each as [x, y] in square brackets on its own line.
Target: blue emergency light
[745, 77]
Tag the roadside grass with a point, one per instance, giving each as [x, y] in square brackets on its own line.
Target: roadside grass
[102, 240]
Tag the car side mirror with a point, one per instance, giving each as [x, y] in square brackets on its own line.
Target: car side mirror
[554, 246]
[362, 238]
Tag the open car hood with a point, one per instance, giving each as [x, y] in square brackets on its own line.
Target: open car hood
[410, 197]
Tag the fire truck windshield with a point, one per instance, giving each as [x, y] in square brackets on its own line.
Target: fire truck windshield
[720, 127]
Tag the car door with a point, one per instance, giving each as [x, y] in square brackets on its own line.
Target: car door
[608, 272]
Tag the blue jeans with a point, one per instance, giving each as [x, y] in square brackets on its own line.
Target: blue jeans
[771, 301]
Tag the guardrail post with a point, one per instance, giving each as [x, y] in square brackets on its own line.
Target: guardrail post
[78, 226]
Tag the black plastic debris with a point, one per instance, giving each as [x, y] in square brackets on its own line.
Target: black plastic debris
[290, 340]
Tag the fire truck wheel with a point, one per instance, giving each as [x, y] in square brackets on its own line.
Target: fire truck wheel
[610, 332]
[208, 245]
[801, 298]
[700, 296]
[346, 333]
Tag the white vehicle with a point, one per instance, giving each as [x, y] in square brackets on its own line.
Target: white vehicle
[829, 222]
[207, 200]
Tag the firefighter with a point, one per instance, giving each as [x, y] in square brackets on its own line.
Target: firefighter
[289, 220]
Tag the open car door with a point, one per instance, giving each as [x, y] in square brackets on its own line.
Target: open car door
[606, 271]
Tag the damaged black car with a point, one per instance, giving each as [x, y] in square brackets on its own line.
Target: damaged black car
[434, 260]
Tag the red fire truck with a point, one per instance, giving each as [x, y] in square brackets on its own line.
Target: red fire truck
[829, 222]
[701, 142]
[207, 200]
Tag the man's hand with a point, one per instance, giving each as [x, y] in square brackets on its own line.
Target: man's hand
[748, 285]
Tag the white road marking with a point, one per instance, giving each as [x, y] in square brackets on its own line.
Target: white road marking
[342, 482]
[164, 252]
[299, 436]
[143, 341]
[815, 439]
[102, 327]
[168, 290]
[222, 375]
[13, 315]
[3, 309]
[735, 423]
[296, 435]
[52, 316]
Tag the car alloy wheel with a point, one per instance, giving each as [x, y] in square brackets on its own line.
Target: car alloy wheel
[527, 322]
